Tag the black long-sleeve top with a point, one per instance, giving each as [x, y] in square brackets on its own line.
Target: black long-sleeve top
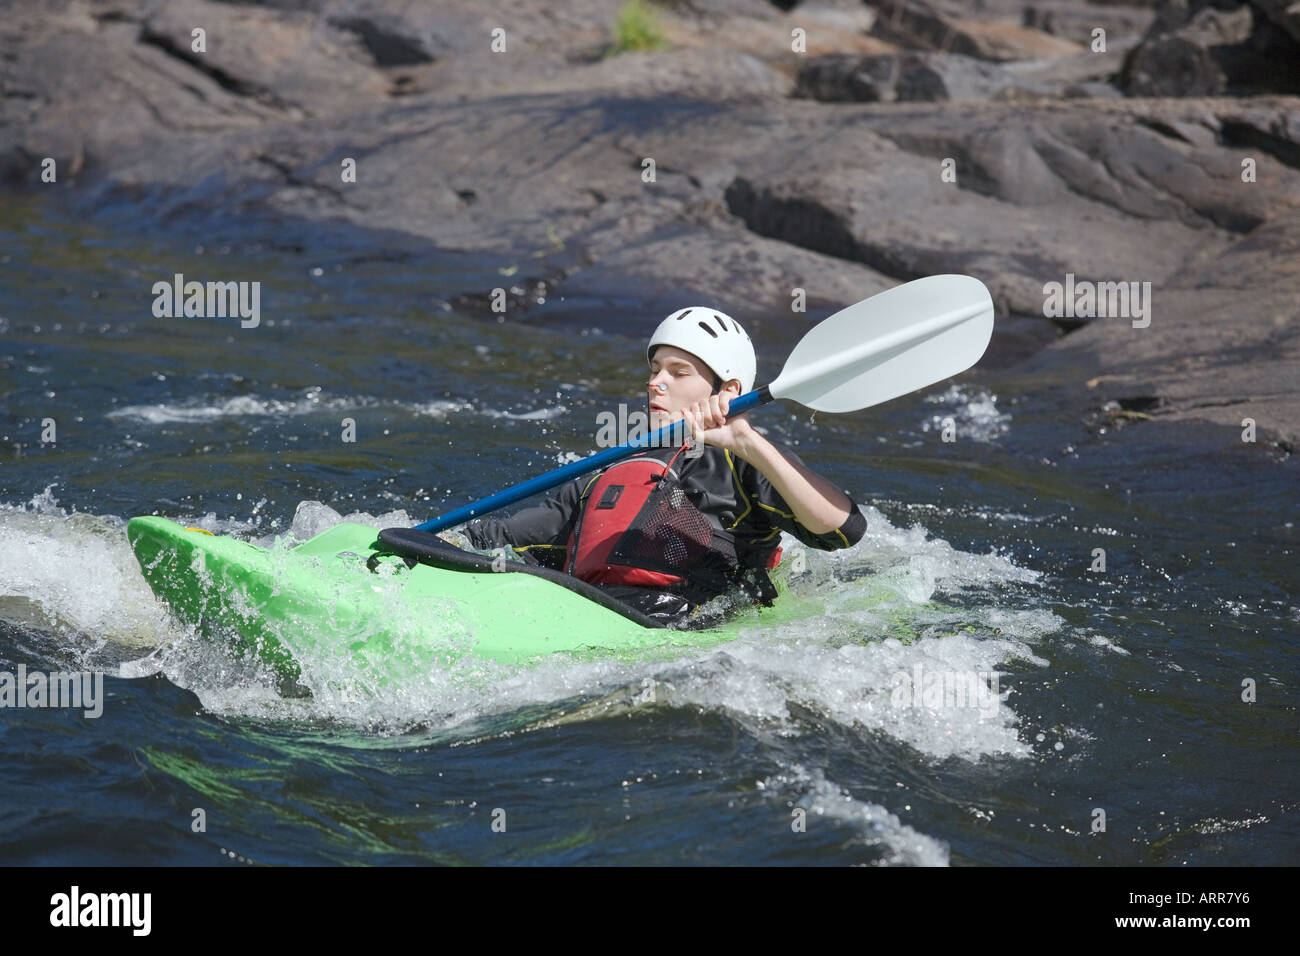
[728, 490]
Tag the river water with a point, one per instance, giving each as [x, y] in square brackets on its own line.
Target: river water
[1144, 713]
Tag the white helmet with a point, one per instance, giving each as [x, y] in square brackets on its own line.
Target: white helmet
[713, 337]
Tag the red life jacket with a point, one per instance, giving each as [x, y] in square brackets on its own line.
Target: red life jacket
[637, 526]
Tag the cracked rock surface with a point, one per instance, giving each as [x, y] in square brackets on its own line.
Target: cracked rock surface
[904, 140]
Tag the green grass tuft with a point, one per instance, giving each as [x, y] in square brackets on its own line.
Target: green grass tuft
[637, 28]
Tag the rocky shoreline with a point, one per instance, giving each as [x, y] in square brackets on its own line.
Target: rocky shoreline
[901, 139]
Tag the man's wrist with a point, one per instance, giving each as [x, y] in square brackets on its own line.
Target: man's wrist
[750, 446]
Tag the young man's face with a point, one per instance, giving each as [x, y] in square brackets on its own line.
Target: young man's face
[678, 380]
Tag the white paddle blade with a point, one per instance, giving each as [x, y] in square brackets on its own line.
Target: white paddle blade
[903, 339]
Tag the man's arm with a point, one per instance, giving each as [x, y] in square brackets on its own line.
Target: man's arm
[817, 504]
[538, 529]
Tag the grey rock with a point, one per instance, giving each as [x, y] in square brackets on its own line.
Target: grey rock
[932, 77]
[385, 40]
[1060, 75]
[1091, 89]
[1198, 48]
[1077, 21]
[845, 78]
[290, 61]
[951, 28]
[927, 78]
[1223, 344]
[1284, 13]
[1173, 66]
[535, 160]
[916, 77]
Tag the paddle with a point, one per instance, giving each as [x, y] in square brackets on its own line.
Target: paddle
[893, 343]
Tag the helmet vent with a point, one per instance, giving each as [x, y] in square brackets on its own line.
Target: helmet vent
[721, 322]
[685, 313]
[709, 330]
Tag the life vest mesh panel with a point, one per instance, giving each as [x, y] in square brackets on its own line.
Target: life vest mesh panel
[669, 533]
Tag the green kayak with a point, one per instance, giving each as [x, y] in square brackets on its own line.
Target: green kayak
[403, 602]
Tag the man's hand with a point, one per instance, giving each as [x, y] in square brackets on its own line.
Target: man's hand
[456, 539]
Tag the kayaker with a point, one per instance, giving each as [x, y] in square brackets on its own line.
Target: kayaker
[671, 528]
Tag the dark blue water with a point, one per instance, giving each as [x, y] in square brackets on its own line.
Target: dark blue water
[1123, 688]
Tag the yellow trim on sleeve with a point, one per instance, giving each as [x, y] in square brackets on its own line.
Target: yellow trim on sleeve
[784, 514]
[749, 505]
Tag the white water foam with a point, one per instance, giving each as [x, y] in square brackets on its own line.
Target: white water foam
[74, 575]
[842, 664]
[311, 518]
[537, 415]
[861, 685]
[818, 796]
[240, 406]
[975, 417]
[310, 401]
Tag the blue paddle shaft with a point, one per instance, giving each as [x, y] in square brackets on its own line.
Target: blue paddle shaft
[759, 396]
